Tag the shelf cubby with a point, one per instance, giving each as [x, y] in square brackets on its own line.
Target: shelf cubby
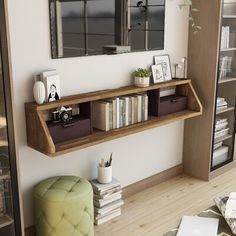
[39, 138]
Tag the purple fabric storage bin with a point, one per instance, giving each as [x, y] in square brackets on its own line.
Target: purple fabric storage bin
[172, 104]
[61, 132]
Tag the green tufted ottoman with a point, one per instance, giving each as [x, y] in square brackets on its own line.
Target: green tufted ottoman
[64, 207]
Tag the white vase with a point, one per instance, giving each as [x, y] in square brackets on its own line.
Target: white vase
[39, 92]
[104, 174]
[141, 81]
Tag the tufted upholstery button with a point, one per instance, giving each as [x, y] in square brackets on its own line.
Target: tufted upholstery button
[64, 207]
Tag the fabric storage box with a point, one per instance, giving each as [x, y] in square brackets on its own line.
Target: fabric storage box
[220, 155]
[171, 104]
[61, 132]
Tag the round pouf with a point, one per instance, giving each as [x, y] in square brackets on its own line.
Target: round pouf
[64, 207]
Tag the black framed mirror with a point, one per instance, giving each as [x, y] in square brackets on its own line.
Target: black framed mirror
[95, 27]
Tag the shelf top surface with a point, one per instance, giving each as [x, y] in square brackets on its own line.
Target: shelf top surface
[104, 94]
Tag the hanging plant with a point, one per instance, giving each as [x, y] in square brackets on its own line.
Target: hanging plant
[188, 3]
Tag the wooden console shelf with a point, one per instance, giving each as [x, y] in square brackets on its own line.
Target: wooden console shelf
[39, 138]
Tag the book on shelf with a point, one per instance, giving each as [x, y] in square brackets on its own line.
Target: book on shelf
[218, 145]
[225, 66]
[139, 108]
[100, 114]
[225, 37]
[124, 111]
[221, 126]
[115, 112]
[221, 133]
[144, 113]
[110, 115]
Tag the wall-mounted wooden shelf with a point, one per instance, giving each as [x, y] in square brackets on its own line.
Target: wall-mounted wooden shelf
[39, 138]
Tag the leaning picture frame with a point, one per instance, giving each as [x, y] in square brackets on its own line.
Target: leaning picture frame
[164, 61]
[157, 74]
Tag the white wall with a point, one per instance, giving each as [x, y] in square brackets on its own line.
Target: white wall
[135, 157]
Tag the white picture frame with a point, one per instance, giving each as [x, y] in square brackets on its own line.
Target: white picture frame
[157, 74]
[52, 88]
[164, 61]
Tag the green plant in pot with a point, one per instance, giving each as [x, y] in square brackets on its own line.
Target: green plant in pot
[142, 77]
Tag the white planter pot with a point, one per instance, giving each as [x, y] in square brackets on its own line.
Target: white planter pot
[104, 174]
[39, 92]
[141, 81]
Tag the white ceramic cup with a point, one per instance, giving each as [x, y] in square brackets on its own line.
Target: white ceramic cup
[104, 174]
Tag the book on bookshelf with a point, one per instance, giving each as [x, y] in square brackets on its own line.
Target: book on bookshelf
[225, 37]
[100, 114]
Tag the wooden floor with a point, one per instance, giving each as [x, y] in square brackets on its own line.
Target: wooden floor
[159, 209]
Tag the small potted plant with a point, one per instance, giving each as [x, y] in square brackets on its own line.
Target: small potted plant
[142, 77]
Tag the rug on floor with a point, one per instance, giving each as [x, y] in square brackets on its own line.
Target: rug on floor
[212, 212]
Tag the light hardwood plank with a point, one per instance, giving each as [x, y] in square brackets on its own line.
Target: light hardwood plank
[160, 208]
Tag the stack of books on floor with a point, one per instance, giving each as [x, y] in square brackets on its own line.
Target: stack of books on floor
[221, 104]
[119, 112]
[107, 201]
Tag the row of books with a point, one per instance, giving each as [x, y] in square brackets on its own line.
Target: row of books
[119, 112]
[107, 200]
[225, 66]
[225, 37]
[221, 130]
[221, 103]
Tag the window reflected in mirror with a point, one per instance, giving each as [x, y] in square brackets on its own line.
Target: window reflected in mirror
[95, 27]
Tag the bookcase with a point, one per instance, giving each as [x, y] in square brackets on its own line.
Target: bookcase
[212, 68]
[40, 138]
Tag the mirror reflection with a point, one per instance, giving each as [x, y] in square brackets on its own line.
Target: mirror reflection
[95, 27]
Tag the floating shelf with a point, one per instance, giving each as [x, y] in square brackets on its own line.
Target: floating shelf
[224, 110]
[5, 220]
[39, 138]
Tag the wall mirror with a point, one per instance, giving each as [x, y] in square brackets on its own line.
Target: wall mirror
[95, 27]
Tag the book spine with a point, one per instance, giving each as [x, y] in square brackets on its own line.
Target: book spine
[127, 111]
[117, 113]
[139, 108]
[121, 112]
[110, 115]
[135, 109]
[132, 109]
[146, 107]
[107, 117]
